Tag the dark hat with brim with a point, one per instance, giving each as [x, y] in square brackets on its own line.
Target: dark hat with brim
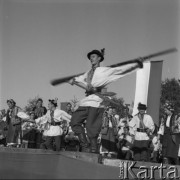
[169, 106]
[96, 52]
[31, 112]
[142, 106]
[11, 101]
[54, 102]
[39, 99]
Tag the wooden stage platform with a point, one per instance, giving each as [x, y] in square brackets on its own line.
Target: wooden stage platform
[20, 163]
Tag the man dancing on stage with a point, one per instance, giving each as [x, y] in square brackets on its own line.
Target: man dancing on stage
[91, 108]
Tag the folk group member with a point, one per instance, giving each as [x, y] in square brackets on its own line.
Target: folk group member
[65, 126]
[69, 108]
[109, 134]
[91, 108]
[142, 127]
[14, 123]
[29, 129]
[3, 130]
[115, 114]
[52, 121]
[124, 137]
[170, 136]
[39, 111]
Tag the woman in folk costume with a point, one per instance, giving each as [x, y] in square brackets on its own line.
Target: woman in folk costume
[170, 136]
[52, 121]
[108, 134]
[3, 129]
[29, 129]
[124, 137]
[142, 127]
[39, 111]
[91, 108]
[14, 123]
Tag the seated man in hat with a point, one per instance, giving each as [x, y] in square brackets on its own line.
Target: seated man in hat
[72, 141]
[52, 121]
[91, 108]
[142, 127]
[124, 137]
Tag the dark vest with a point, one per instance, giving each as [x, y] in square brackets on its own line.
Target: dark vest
[172, 129]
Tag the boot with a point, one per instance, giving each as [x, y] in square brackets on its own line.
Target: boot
[83, 143]
[94, 145]
[165, 160]
[155, 155]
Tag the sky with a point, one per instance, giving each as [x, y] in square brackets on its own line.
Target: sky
[45, 39]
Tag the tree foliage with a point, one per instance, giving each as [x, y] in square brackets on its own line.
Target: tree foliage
[74, 102]
[119, 105]
[170, 92]
[31, 104]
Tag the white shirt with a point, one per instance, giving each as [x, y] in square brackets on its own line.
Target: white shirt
[161, 128]
[168, 121]
[110, 124]
[102, 77]
[59, 115]
[135, 123]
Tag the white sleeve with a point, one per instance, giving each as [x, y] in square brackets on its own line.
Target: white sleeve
[24, 126]
[133, 126]
[22, 115]
[66, 116]
[150, 123]
[120, 124]
[44, 119]
[82, 78]
[61, 115]
[108, 75]
[161, 130]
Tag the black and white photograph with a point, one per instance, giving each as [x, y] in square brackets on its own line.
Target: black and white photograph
[89, 89]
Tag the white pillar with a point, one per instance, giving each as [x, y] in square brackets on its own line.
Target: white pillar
[1, 56]
[142, 83]
[148, 88]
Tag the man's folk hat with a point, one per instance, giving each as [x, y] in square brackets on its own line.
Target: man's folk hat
[39, 99]
[99, 53]
[142, 106]
[31, 112]
[169, 106]
[11, 101]
[53, 101]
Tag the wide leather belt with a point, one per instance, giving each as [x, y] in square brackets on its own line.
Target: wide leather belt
[94, 91]
[102, 95]
[141, 130]
[56, 123]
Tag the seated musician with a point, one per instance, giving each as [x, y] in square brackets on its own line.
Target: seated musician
[125, 141]
[72, 141]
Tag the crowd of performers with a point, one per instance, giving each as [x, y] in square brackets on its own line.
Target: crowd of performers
[93, 127]
[124, 137]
